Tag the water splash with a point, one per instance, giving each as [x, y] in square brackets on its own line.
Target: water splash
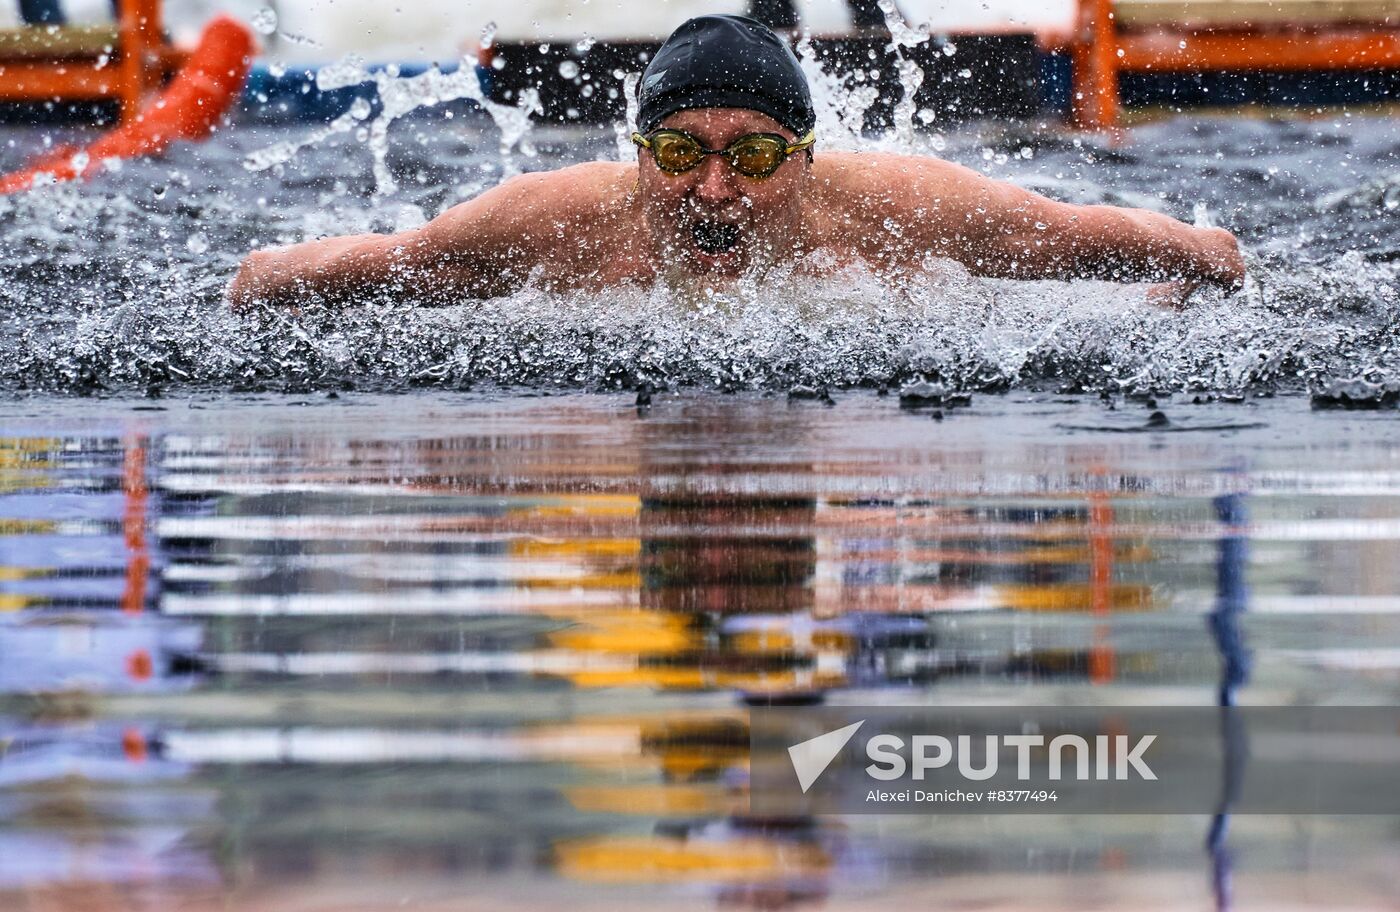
[840, 104]
[622, 130]
[852, 330]
[910, 74]
[283, 152]
[399, 96]
[843, 103]
[1377, 194]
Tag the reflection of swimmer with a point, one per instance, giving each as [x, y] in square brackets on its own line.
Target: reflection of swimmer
[704, 833]
[727, 183]
[747, 863]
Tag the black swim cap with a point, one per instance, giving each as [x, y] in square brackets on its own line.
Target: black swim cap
[725, 62]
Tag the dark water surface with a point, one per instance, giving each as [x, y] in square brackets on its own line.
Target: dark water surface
[118, 284]
[457, 651]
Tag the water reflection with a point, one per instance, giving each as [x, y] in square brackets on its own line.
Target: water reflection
[507, 646]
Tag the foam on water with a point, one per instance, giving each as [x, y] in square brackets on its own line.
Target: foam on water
[1291, 329]
[120, 282]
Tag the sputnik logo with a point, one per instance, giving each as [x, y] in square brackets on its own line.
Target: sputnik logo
[810, 758]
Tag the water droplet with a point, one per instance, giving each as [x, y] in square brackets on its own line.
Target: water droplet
[197, 243]
[568, 69]
[264, 21]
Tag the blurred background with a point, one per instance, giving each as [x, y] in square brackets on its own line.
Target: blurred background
[1089, 59]
[312, 31]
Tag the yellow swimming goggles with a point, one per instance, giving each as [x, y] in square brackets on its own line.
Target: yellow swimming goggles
[755, 155]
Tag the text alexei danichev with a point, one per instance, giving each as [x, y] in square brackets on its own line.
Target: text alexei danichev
[958, 796]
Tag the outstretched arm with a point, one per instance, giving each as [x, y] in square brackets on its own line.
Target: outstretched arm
[337, 270]
[998, 229]
[332, 270]
[481, 248]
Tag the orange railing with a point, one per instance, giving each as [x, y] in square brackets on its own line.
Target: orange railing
[52, 64]
[189, 108]
[1112, 38]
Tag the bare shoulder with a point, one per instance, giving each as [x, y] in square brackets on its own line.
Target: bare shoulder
[526, 213]
[891, 180]
[907, 206]
[866, 199]
[572, 222]
[576, 190]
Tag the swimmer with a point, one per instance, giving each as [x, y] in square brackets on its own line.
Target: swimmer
[729, 181]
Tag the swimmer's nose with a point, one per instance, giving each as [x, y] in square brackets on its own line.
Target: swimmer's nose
[715, 182]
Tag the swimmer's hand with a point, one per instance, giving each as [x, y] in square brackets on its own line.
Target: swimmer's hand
[253, 280]
[1218, 264]
[1221, 267]
[1172, 295]
[1221, 260]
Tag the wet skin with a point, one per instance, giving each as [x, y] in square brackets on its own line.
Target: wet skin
[605, 224]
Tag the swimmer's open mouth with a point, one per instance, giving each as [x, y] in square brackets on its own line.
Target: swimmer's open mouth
[715, 238]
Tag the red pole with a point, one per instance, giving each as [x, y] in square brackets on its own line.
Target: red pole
[1102, 661]
[1094, 58]
[131, 39]
[138, 559]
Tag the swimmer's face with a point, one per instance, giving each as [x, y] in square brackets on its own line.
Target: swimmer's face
[712, 220]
